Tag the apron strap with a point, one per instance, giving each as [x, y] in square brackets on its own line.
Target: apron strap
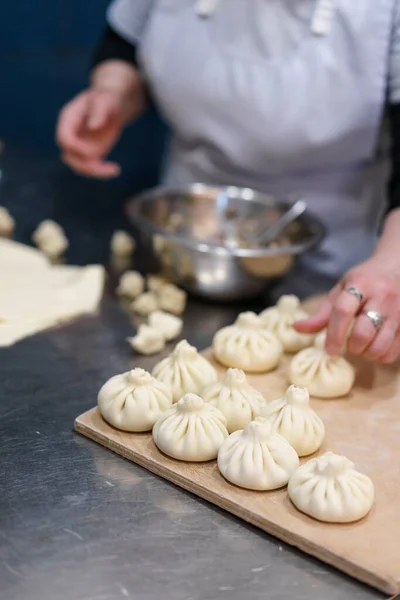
[205, 8]
[322, 18]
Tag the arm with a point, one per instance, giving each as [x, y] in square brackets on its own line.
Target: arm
[90, 125]
[390, 239]
[115, 69]
[378, 279]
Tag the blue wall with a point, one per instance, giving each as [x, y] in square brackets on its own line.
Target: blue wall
[45, 50]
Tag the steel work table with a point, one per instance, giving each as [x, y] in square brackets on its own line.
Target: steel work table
[76, 521]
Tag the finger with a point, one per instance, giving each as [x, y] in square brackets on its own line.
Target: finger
[92, 168]
[69, 126]
[316, 322]
[320, 320]
[393, 353]
[382, 342]
[101, 111]
[361, 336]
[344, 309]
[363, 332]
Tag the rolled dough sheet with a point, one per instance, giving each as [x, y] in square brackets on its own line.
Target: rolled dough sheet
[35, 295]
[13, 255]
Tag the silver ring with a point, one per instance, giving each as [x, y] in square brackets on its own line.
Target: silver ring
[355, 292]
[376, 318]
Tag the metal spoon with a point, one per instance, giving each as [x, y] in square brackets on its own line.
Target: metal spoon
[272, 232]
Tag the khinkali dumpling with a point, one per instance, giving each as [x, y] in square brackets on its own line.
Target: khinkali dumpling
[247, 345]
[191, 430]
[257, 458]
[133, 401]
[293, 417]
[330, 489]
[280, 318]
[238, 401]
[325, 376]
[185, 371]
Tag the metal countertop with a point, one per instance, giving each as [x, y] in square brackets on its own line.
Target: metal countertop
[76, 521]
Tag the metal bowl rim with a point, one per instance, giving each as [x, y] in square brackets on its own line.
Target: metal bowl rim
[135, 204]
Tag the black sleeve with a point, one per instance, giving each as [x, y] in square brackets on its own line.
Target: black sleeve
[394, 184]
[112, 46]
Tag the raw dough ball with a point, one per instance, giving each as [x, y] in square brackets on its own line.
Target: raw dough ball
[7, 223]
[172, 299]
[155, 282]
[159, 243]
[293, 417]
[325, 376]
[50, 238]
[145, 304]
[131, 285]
[238, 401]
[280, 318]
[122, 244]
[168, 325]
[330, 489]
[147, 340]
[247, 345]
[185, 371]
[257, 458]
[191, 430]
[133, 401]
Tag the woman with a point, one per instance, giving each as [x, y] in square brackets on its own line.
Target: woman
[286, 96]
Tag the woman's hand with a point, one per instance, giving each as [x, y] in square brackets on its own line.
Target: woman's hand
[88, 128]
[378, 280]
[90, 125]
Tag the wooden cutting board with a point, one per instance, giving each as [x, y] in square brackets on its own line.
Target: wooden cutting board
[365, 427]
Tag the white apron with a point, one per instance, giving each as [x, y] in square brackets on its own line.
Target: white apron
[256, 99]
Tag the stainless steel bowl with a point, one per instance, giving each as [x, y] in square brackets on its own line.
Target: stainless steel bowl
[195, 233]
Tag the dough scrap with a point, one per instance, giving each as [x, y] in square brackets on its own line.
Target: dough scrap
[155, 283]
[50, 238]
[122, 244]
[169, 325]
[147, 341]
[257, 458]
[293, 417]
[133, 401]
[185, 371]
[7, 223]
[324, 376]
[329, 488]
[145, 304]
[172, 299]
[247, 345]
[238, 401]
[190, 430]
[280, 318]
[131, 285]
